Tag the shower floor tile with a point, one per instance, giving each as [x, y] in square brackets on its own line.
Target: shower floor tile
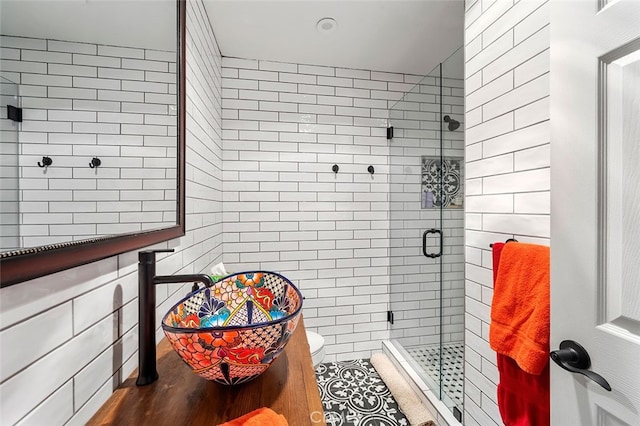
[427, 357]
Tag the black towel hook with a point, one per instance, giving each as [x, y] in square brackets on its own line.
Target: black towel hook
[46, 162]
[371, 170]
[95, 162]
[335, 168]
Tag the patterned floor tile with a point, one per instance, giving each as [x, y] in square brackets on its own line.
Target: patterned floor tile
[353, 394]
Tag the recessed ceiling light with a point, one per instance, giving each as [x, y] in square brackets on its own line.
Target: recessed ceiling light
[327, 25]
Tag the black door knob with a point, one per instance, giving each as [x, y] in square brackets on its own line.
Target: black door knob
[574, 358]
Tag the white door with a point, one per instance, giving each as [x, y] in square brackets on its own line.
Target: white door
[595, 211]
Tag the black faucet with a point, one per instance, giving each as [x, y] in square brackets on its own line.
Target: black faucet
[147, 281]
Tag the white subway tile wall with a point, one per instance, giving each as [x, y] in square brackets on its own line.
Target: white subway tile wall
[285, 126]
[417, 121]
[93, 104]
[9, 170]
[69, 339]
[507, 165]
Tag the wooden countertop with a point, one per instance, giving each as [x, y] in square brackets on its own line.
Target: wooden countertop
[181, 397]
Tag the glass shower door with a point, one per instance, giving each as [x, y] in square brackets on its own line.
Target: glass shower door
[427, 232]
[416, 228]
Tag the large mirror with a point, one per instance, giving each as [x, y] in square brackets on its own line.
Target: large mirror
[91, 130]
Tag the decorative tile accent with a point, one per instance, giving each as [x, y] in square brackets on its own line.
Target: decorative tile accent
[442, 182]
[353, 394]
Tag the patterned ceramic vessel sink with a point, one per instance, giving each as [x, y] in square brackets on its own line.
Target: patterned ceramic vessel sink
[232, 331]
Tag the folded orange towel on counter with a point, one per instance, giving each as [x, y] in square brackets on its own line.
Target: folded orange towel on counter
[520, 308]
[261, 417]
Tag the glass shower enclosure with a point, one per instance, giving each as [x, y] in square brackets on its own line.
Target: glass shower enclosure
[427, 230]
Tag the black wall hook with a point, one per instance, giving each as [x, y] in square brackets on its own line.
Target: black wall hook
[46, 162]
[95, 162]
[335, 168]
[371, 170]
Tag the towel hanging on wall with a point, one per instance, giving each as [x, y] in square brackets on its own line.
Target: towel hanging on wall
[523, 399]
[520, 308]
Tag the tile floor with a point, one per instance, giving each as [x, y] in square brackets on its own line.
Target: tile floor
[428, 358]
[353, 394]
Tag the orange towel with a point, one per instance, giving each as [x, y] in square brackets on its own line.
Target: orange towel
[520, 308]
[261, 417]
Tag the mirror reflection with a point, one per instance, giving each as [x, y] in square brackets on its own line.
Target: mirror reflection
[96, 151]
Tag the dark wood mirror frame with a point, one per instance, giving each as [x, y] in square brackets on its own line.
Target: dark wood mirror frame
[22, 265]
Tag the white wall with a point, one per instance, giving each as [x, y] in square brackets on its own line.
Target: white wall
[68, 339]
[285, 125]
[82, 100]
[507, 165]
[9, 172]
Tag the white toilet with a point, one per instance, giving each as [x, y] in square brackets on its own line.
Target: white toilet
[316, 345]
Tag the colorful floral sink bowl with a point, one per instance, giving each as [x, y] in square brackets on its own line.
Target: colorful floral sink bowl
[232, 331]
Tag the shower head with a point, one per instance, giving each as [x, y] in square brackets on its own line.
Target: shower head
[453, 124]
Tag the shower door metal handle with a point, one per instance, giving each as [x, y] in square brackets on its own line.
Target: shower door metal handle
[424, 243]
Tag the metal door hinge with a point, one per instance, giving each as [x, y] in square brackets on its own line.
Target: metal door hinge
[390, 316]
[457, 414]
[14, 113]
[390, 132]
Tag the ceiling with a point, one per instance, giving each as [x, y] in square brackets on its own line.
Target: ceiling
[382, 35]
[131, 23]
